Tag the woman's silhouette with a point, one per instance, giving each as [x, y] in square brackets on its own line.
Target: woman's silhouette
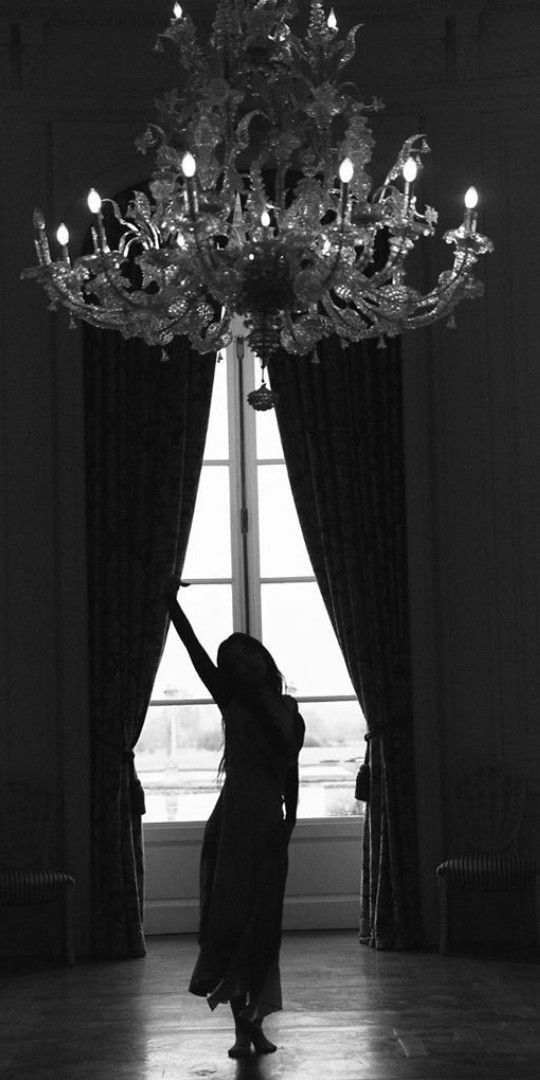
[244, 858]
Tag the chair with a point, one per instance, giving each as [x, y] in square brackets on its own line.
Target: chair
[26, 819]
[492, 802]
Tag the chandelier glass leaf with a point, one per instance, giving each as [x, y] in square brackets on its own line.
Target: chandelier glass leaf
[261, 205]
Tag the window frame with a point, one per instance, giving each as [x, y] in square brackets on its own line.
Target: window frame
[245, 579]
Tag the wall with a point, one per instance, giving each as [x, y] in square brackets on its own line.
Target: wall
[77, 84]
[323, 879]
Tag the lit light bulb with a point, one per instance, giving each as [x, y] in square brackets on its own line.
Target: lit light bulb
[346, 171]
[331, 21]
[62, 235]
[471, 198]
[94, 201]
[177, 11]
[410, 170]
[265, 219]
[189, 165]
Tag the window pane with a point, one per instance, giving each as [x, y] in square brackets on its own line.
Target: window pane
[177, 758]
[297, 631]
[209, 609]
[266, 428]
[282, 548]
[217, 438]
[330, 757]
[209, 548]
[180, 748]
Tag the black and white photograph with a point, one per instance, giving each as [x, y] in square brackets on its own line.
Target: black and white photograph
[269, 540]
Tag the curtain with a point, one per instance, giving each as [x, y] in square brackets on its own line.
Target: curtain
[146, 424]
[340, 422]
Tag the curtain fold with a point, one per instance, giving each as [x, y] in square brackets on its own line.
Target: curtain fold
[340, 422]
[146, 423]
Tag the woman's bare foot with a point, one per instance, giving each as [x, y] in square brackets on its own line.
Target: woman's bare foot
[242, 1045]
[261, 1044]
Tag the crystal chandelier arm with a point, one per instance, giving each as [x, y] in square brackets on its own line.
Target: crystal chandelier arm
[452, 283]
[335, 266]
[404, 309]
[408, 150]
[127, 298]
[290, 327]
[394, 262]
[349, 324]
[105, 318]
[209, 265]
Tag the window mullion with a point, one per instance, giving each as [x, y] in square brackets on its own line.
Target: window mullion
[237, 495]
[252, 548]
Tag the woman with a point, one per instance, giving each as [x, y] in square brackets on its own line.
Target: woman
[244, 858]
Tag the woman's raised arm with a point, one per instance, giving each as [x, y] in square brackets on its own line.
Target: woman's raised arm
[204, 666]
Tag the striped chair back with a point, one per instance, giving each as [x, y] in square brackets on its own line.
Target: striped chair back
[26, 818]
[492, 803]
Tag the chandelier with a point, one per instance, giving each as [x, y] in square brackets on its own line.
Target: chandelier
[260, 204]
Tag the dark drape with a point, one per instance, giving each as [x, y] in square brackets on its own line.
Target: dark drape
[146, 423]
[340, 422]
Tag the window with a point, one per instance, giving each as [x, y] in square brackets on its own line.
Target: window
[248, 569]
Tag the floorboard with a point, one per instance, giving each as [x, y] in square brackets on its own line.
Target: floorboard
[350, 1013]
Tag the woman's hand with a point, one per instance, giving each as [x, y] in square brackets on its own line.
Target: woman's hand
[169, 588]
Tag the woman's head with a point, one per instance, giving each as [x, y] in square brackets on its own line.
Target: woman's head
[242, 658]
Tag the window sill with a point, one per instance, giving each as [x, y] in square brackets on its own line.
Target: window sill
[191, 832]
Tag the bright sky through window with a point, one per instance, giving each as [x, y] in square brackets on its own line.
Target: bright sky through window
[264, 582]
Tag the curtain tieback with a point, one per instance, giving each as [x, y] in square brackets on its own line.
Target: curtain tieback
[136, 790]
[363, 776]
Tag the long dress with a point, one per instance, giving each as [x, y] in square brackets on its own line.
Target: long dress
[243, 866]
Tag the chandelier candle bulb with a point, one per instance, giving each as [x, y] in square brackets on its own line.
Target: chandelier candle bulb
[189, 168]
[410, 172]
[346, 173]
[471, 202]
[177, 11]
[42, 243]
[189, 165]
[265, 219]
[38, 219]
[331, 21]
[238, 216]
[94, 205]
[62, 235]
[94, 201]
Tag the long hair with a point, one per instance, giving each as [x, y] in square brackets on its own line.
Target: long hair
[274, 677]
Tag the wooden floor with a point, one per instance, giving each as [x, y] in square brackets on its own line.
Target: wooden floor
[350, 1013]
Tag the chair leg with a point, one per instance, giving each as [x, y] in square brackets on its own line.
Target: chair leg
[69, 937]
[443, 914]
